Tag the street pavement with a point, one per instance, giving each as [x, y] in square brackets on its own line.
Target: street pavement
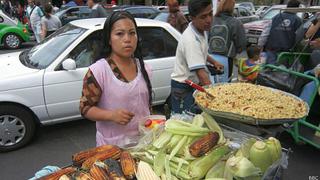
[54, 145]
[26, 45]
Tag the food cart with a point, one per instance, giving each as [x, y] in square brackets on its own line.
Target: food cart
[186, 147]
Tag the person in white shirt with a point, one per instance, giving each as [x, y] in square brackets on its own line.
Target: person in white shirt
[97, 10]
[34, 14]
[192, 56]
[49, 23]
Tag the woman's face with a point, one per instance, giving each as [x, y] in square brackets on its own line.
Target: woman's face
[123, 38]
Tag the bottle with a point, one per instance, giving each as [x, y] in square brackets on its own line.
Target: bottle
[153, 123]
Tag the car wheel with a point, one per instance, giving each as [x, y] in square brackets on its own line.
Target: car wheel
[12, 41]
[17, 127]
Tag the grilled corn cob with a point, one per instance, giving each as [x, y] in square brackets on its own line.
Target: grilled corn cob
[56, 175]
[204, 144]
[128, 164]
[80, 157]
[114, 169]
[98, 172]
[113, 153]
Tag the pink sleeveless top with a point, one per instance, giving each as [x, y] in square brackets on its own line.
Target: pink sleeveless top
[116, 94]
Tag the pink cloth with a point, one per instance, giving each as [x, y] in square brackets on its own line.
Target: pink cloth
[116, 94]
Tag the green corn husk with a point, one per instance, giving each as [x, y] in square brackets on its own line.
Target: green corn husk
[158, 163]
[260, 155]
[174, 141]
[274, 147]
[217, 170]
[176, 126]
[213, 126]
[198, 120]
[239, 166]
[181, 173]
[167, 168]
[174, 159]
[163, 139]
[176, 149]
[200, 166]
[245, 148]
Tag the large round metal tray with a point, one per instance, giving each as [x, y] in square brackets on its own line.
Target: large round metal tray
[249, 119]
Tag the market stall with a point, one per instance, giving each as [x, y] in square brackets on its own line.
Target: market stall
[197, 147]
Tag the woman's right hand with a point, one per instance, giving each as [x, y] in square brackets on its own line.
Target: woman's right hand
[121, 116]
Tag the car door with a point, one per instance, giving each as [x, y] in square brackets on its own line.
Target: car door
[69, 83]
[158, 50]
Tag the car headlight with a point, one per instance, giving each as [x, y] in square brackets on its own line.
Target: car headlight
[246, 30]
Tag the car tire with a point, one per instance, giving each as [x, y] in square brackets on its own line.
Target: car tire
[17, 127]
[12, 41]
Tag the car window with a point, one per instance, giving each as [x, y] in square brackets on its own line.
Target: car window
[86, 52]
[141, 12]
[1, 19]
[84, 12]
[72, 13]
[244, 12]
[163, 16]
[43, 54]
[270, 14]
[156, 42]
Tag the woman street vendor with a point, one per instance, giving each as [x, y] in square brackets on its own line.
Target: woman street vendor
[116, 89]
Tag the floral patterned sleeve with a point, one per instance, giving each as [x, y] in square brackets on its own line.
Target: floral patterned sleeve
[91, 93]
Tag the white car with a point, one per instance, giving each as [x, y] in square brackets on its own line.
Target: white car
[43, 85]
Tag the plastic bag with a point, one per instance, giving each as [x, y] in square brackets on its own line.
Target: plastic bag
[282, 80]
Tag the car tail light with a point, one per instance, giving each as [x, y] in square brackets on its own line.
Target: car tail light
[25, 30]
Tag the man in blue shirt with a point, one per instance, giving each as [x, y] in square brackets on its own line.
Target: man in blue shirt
[282, 32]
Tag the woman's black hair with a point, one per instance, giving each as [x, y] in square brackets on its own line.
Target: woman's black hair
[197, 6]
[106, 47]
[48, 10]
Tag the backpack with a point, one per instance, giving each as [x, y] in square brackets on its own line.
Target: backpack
[220, 38]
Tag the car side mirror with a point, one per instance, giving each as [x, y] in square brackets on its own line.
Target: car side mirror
[69, 64]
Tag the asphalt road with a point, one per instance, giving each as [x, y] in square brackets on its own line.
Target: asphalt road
[26, 45]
